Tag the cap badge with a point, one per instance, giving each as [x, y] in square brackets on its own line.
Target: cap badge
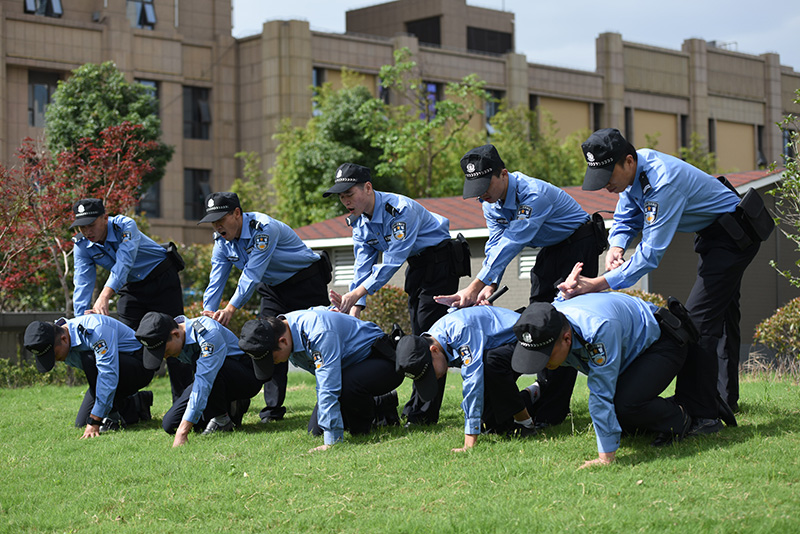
[589, 157]
[470, 167]
[526, 337]
[81, 208]
[339, 173]
[210, 202]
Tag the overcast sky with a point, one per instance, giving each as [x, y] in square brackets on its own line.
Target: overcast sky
[563, 34]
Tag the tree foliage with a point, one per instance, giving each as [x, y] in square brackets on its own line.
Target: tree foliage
[254, 192]
[96, 97]
[35, 211]
[528, 142]
[697, 154]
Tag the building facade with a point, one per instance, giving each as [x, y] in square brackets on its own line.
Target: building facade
[219, 95]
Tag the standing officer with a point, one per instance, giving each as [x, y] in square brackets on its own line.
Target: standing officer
[521, 212]
[658, 196]
[628, 355]
[481, 340]
[352, 362]
[110, 357]
[224, 380]
[142, 272]
[402, 230]
[275, 262]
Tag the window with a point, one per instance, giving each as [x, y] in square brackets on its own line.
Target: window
[597, 116]
[46, 8]
[629, 124]
[761, 161]
[428, 31]
[317, 79]
[41, 86]
[492, 107]
[150, 203]
[491, 41]
[433, 93]
[685, 135]
[196, 187]
[153, 89]
[142, 14]
[712, 135]
[527, 259]
[789, 142]
[196, 113]
[343, 266]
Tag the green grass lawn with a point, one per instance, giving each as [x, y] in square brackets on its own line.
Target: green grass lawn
[262, 478]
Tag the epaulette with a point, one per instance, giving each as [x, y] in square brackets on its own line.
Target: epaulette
[117, 227]
[349, 221]
[391, 210]
[255, 225]
[645, 183]
[77, 237]
[198, 328]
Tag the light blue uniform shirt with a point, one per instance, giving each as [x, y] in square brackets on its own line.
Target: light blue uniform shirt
[102, 338]
[207, 344]
[466, 334]
[617, 328]
[324, 343]
[534, 214]
[267, 251]
[681, 198]
[127, 253]
[399, 228]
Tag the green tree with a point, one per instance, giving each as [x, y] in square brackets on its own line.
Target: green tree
[528, 142]
[423, 139]
[96, 97]
[698, 155]
[255, 194]
[308, 156]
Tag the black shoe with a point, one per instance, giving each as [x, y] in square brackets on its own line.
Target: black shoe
[386, 410]
[701, 426]
[237, 410]
[520, 431]
[220, 423]
[416, 424]
[725, 412]
[667, 438]
[114, 421]
[144, 400]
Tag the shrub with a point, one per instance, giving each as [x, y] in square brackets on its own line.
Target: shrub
[781, 331]
[654, 298]
[16, 375]
[195, 309]
[387, 306]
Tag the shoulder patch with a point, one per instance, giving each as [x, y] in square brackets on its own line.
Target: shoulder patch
[100, 348]
[206, 349]
[597, 353]
[650, 212]
[523, 212]
[261, 241]
[126, 236]
[466, 354]
[399, 230]
[317, 357]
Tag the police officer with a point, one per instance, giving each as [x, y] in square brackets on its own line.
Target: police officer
[142, 273]
[615, 339]
[110, 357]
[480, 340]
[352, 362]
[274, 262]
[224, 380]
[658, 196]
[520, 212]
[402, 230]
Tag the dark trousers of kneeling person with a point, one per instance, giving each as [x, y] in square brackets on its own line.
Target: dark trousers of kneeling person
[128, 400]
[501, 396]
[307, 288]
[235, 381]
[361, 384]
[553, 264]
[429, 273]
[160, 291]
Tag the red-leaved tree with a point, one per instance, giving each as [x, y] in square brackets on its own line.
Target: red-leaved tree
[38, 194]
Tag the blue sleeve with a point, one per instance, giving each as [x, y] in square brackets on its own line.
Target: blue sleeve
[256, 265]
[504, 245]
[398, 252]
[83, 279]
[628, 221]
[328, 375]
[106, 357]
[469, 345]
[213, 352]
[220, 270]
[365, 258]
[602, 382]
[656, 237]
[126, 253]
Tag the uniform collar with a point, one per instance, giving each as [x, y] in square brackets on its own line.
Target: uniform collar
[510, 202]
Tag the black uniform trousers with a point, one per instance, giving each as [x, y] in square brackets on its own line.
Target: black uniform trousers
[553, 265]
[713, 305]
[132, 377]
[160, 291]
[361, 384]
[236, 380]
[305, 289]
[429, 273]
[501, 397]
